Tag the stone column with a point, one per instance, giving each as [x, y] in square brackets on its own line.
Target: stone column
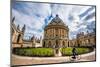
[61, 32]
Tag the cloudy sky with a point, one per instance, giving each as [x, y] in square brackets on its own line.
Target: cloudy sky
[37, 15]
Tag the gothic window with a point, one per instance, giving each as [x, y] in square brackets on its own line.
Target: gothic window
[68, 44]
[12, 31]
[88, 40]
[49, 43]
[44, 44]
[78, 45]
[18, 39]
[63, 43]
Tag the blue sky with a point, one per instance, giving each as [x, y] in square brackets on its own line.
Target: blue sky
[37, 15]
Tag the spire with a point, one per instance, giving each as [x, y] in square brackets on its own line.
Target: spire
[13, 19]
[57, 15]
[23, 29]
[87, 31]
[32, 38]
[18, 27]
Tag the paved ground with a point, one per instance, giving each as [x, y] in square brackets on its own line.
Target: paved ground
[20, 60]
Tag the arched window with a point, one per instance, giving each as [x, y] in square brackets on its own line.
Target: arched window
[68, 44]
[18, 39]
[63, 43]
[50, 44]
[12, 31]
[56, 46]
[44, 44]
[78, 45]
[88, 40]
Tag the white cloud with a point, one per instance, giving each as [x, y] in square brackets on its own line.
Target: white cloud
[84, 9]
[31, 20]
[37, 13]
[90, 20]
[92, 11]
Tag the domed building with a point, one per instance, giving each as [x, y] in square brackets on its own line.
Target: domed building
[56, 34]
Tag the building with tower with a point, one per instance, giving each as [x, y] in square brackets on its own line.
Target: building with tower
[18, 37]
[17, 34]
[56, 34]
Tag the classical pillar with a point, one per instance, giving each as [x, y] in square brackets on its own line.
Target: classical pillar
[64, 33]
[51, 32]
[61, 32]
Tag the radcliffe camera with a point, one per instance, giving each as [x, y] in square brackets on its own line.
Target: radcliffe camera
[52, 33]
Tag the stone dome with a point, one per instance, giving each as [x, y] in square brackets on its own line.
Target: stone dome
[56, 34]
[56, 21]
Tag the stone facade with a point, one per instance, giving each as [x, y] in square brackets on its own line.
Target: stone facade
[87, 40]
[84, 40]
[17, 34]
[56, 34]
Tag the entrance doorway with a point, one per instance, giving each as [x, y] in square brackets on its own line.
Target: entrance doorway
[57, 49]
